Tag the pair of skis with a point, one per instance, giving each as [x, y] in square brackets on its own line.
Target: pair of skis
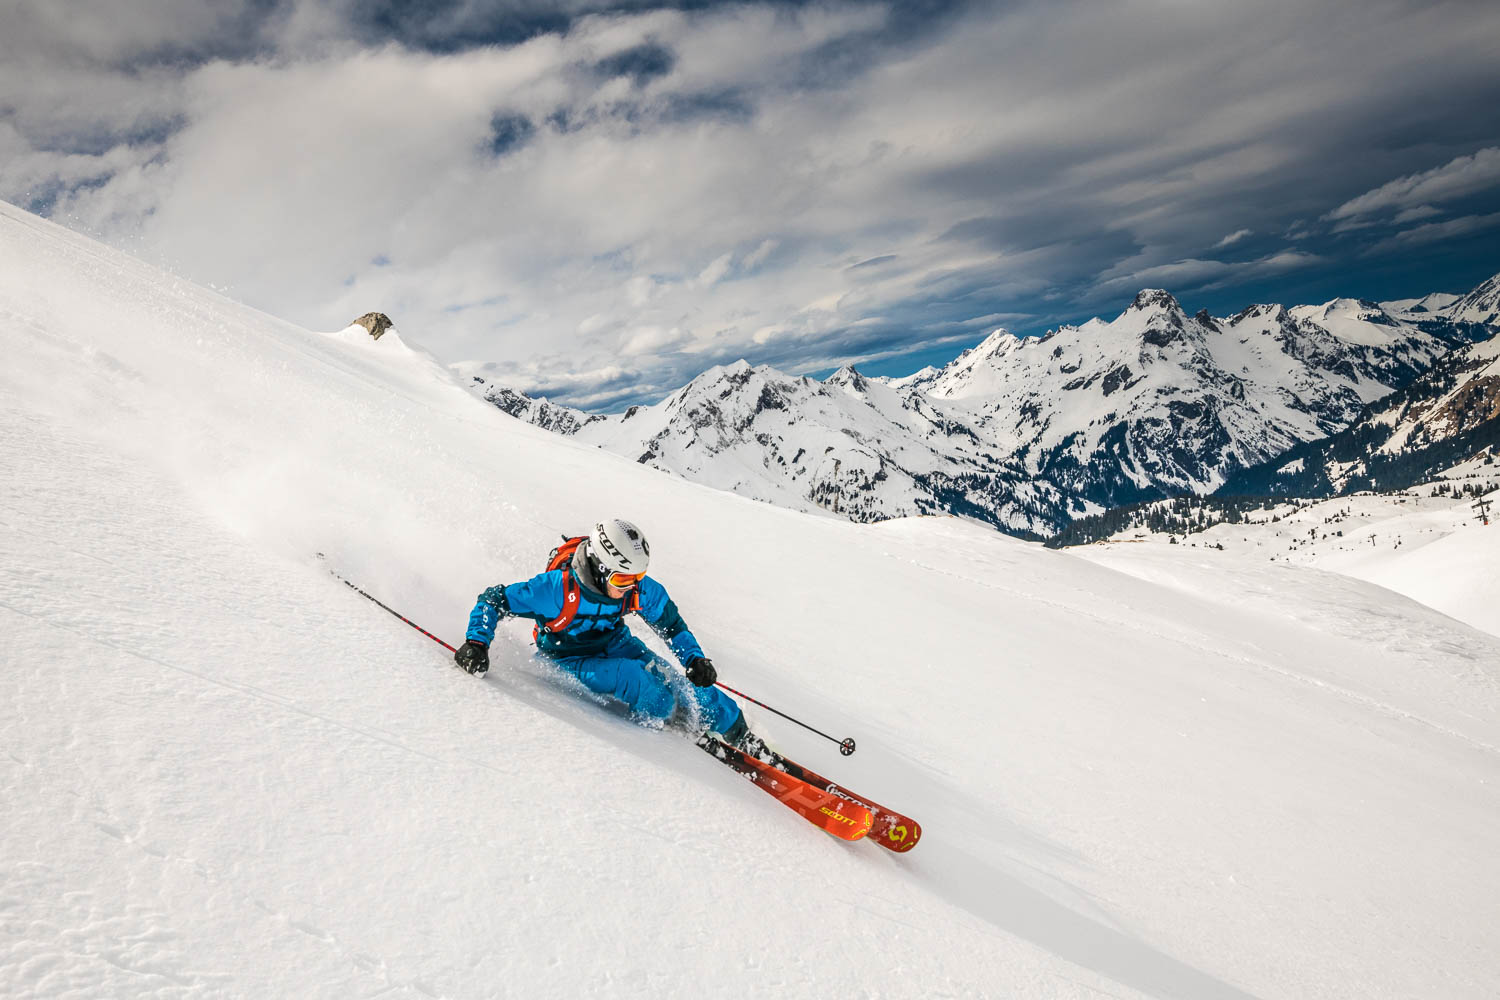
[823, 803]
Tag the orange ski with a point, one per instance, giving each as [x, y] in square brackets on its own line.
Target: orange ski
[833, 813]
[890, 829]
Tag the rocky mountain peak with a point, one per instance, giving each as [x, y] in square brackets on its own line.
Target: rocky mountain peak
[1158, 319]
[849, 378]
[547, 415]
[1206, 319]
[1357, 308]
[1482, 305]
[997, 344]
[1269, 314]
[1149, 299]
[375, 322]
[721, 378]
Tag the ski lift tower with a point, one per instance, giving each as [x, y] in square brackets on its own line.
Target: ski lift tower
[1483, 507]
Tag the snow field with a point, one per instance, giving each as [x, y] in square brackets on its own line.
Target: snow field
[1430, 547]
[230, 776]
[1140, 773]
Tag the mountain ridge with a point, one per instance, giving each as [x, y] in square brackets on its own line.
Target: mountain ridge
[1027, 433]
[1447, 415]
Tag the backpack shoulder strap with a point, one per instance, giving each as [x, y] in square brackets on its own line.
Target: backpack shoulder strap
[571, 593]
[559, 559]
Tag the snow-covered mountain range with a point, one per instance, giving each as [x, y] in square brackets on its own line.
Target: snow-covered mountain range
[850, 445]
[1445, 416]
[1027, 433]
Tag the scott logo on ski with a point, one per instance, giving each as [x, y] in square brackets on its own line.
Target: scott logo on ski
[892, 830]
[838, 816]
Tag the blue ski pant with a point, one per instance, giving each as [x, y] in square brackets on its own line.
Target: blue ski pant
[629, 671]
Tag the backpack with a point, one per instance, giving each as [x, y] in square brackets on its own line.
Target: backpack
[572, 589]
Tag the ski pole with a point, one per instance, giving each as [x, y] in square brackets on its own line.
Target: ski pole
[398, 614]
[846, 745]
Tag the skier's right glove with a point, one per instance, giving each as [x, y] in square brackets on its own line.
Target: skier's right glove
[473, 657]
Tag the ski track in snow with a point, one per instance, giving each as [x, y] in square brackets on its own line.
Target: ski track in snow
[225, 774]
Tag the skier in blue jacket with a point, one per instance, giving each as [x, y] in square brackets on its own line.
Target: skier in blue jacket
[580, 609]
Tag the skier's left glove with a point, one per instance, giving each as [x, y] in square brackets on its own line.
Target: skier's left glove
[700, 670]
[473, 657]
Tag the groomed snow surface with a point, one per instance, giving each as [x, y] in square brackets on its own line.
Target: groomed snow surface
[1146, 772]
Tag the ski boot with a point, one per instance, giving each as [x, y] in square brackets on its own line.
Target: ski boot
[739, 736]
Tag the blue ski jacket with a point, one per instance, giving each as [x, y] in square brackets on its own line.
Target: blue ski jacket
[599, 617]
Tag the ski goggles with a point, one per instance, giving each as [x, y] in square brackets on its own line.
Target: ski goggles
[624, 581]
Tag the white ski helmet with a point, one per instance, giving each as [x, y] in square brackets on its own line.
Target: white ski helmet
[617, 546]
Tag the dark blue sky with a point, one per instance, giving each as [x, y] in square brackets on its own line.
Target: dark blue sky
[604, 199]
[1352, 266]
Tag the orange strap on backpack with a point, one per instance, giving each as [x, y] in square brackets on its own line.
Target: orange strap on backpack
[572, 591]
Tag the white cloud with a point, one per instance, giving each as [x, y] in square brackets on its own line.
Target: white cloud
[760, 254]
[653, 340]
[715, 271]
[81, 34]
[1460, 177]
[1414, 213]
[778, 147]
[641, 289]
[1435, 232]
[593, 324]
[1199, 274]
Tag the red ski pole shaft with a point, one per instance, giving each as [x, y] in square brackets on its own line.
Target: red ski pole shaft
[846, 745]
[393, 611]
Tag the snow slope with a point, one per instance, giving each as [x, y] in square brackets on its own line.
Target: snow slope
[1431, 546]
[226, 775]
[1427, 305]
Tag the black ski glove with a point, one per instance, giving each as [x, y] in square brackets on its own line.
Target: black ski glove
[700, 670]
[473, 657]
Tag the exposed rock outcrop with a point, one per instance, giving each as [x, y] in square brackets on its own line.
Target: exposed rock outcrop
[376, 322]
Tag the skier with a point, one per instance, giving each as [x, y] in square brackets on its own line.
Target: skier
[579, 607]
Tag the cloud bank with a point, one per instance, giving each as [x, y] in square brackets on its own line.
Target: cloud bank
[605, 199]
